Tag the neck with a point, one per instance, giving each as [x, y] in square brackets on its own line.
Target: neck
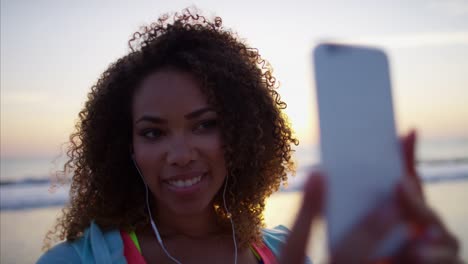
[198, 225]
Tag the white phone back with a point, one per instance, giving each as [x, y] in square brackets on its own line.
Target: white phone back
[360, 150]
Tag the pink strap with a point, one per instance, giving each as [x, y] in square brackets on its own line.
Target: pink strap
[131, 252]
[134, 256]
[265, 253]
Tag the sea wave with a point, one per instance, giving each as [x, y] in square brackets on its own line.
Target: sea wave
[41, 192]
[26, 181]
[430, 172]
[36, 194]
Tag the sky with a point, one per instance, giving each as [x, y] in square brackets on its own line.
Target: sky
[52, 52]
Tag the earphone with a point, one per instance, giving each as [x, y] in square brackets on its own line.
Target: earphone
[155, 229]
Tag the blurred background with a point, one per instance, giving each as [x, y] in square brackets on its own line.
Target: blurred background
[52, 52]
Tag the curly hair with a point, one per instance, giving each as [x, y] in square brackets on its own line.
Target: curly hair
[238, 83]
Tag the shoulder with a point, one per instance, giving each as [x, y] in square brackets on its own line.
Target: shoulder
[61, 253]
[275, 238]
[95, 246]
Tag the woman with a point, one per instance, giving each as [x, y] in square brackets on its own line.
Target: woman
[191, 114]
[177, 148]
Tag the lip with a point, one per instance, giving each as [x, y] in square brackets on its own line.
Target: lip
[184, 176]
[186, 190]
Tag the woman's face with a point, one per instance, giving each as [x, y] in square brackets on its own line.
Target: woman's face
[177, 142]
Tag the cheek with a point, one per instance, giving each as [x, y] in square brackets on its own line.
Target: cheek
[148, 159]
[215, 151]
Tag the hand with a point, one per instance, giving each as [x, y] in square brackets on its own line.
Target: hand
[430, 241]
[356, 247]
[294, 250]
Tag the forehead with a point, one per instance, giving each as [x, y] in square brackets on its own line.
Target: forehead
[168, 91]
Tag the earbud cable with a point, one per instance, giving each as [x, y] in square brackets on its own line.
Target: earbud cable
[155, 229]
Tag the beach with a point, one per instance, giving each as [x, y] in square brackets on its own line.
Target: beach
[22, 231]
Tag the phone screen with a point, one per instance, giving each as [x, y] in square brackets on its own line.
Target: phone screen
[360, 150]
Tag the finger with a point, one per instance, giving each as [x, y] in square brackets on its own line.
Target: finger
[312, 205]
[420, 252]
[408, 144]
[409, 153]
[360, 244]
[435, 254]
[413, 207]
[440, 236]
[425, 221]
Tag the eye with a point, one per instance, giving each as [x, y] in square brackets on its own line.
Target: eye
[151, 133]
[206, 125]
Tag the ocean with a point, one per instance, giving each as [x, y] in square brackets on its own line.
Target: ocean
[26, 183]
[29, 204]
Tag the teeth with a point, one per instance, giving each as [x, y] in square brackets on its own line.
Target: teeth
[185, 183]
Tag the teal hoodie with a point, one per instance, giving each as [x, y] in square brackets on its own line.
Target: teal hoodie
[100, 247]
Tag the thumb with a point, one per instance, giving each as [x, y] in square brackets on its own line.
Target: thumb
[408, 143]
[312, 205]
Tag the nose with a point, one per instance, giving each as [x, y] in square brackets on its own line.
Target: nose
[181, 152]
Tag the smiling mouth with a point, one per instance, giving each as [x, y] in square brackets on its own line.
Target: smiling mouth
[185, 183]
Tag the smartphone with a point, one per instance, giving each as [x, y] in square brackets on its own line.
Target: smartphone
[360, 150]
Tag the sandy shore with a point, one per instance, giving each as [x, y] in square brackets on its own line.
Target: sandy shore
[22, 231]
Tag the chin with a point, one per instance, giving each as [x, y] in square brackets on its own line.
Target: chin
[188, 209]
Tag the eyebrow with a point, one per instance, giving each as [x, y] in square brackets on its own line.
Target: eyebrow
[199, 112]
[192, 115]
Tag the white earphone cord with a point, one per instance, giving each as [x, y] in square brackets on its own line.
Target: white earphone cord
[155, 229]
